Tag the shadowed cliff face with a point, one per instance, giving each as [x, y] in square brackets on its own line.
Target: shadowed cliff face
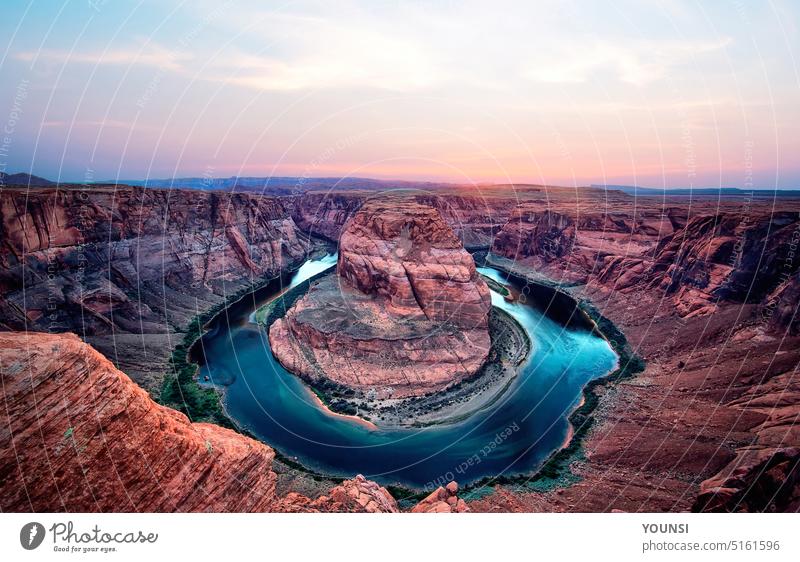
[92, 440]
[783, 307]
[726, 257]
[474, 218]
[126, 266]
[711, 303]
[709, 259]
[406, 314]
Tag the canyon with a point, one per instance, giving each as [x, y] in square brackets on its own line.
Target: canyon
[85, 437]
[127, 268]
[707, 297]
[706, 293]
[405, 315]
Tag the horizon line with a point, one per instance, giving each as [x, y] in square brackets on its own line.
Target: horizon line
[607, 186]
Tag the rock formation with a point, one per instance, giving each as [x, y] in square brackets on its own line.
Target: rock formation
[405, 315]
[706, 292]
[697, 261]
[442, 500]
[759, 480]
[540, 236]
[782, 309]
[474, 217]
[358, 495]
[325, 213]
[726, 257]
[79, 435]
[128, 267]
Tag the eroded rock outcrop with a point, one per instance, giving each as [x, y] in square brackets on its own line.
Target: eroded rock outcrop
[442, 500]
[79, 435]
[782, 309]
[357, 495]
[726, 257]
[406, 253]
[126, 267]
[580, 242]
[475, 217]
[543, 236]
[698, 261]
[325, 213]
[759, 480]
[406, 314]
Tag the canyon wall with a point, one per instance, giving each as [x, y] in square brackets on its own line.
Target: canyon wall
[475, 219]
[127, 268]
[697, 260]
[706, 292]
[708, 295]
[79, 435]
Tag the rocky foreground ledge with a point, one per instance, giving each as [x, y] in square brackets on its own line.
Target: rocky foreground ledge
[406, 314]
[79, 436]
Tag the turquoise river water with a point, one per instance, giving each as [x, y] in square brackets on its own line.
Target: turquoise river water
[512, 436]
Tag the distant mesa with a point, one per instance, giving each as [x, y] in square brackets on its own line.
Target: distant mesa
[23, 179]
[405, 315]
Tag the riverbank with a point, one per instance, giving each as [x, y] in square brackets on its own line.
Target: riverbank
[359, 420]
[181, 389]
[555, 472]
[511, 346]
[667, 439]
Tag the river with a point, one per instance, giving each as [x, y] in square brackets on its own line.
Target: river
[513, 436]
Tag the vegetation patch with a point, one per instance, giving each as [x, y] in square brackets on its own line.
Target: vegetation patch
[181, 389]
[495, 286]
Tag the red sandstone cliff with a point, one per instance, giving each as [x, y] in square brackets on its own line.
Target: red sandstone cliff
[405, 315]
[714, 414]
[711, 303]
[406, 253]
[79, 435]
[475, 217]
[698, 263]
[126, 267]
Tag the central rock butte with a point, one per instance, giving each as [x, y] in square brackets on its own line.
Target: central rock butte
[405, 315]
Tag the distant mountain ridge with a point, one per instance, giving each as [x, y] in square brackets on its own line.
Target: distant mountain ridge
[699, 192]
[289, 185]
[23, 179]
[283, 185]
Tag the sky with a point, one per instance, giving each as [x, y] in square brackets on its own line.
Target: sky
[668, 93]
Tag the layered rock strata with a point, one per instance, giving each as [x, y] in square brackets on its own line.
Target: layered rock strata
[475, 217]
[126, 268]
[697, 261]
[79, 435]
[405, 315]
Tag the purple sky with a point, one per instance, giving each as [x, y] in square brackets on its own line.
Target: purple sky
[674, 94]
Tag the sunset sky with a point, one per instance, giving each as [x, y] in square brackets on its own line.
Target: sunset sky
[676, 94]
